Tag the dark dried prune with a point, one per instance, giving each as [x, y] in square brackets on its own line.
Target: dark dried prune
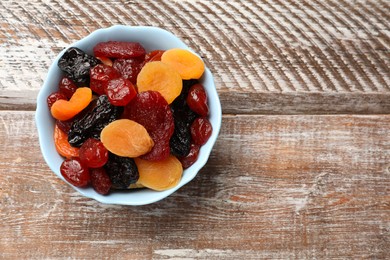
[90, 125]
[76, 64]
[181, 139]
[122, 171]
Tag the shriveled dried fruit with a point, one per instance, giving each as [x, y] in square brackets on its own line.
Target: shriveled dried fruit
[100, 181]
[191, 157]
[120, 50]
[93, 153]
[128, 68]
[159, 175]
[126, 138]
[201, 130]
[180, 141]
[53, 97]
[100, 114]
[122, 171]
[76, 64]
[100, 75]
[151, 110]
[64, 125]
[197, 100]
[75, 172]
[120, 91]
[67, 87]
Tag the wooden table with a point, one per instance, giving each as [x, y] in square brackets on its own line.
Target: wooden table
[301, 168]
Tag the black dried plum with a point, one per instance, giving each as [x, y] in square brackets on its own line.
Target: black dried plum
[122, 171]
[180, 141]
[76, 64]
[92, 123]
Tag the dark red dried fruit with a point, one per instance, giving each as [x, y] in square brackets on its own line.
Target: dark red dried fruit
[151, 110]
[191, 157]
[120, 91]
[93, 154]
[197, 100]
[75, 172]
[154, 55]
[53, 97]
[128, 68]
[201, 130]
[100, 75]
[100, 181]
[64, 125]
[120, 50]
[67, 87]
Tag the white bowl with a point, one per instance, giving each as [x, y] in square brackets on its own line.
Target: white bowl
[151, 38]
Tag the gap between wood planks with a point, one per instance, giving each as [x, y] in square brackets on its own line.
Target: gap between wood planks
[270, 103]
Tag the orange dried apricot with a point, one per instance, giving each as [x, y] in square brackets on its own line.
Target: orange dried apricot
[62, 145]
[189, 65]
[158, 76]
[159, 175]
[126, 138]
[64, 110]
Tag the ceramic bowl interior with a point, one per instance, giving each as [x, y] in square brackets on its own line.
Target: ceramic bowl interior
[151, 38]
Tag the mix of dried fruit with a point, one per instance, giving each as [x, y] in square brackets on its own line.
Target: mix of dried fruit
[126, 118]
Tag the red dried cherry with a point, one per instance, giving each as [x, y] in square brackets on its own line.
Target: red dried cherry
[93, 154]
[53, 97]
[100, 181]
[64, 125]
[201, 130]
[197, 100]
[120, 91]
[191, 157]
[75, 172]
[100, 75]
[67, 86]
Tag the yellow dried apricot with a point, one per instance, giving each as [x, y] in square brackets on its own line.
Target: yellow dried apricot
[159, 175]
[158, 76]
[185, 62]
[126, 138]
[64, 109]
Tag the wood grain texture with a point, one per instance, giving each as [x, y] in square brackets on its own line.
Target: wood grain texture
[292, 183]
[274, 187]
[257, 50]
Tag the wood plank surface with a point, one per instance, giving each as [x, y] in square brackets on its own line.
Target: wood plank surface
[285, 57]
[274, 187]
[301, 168]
